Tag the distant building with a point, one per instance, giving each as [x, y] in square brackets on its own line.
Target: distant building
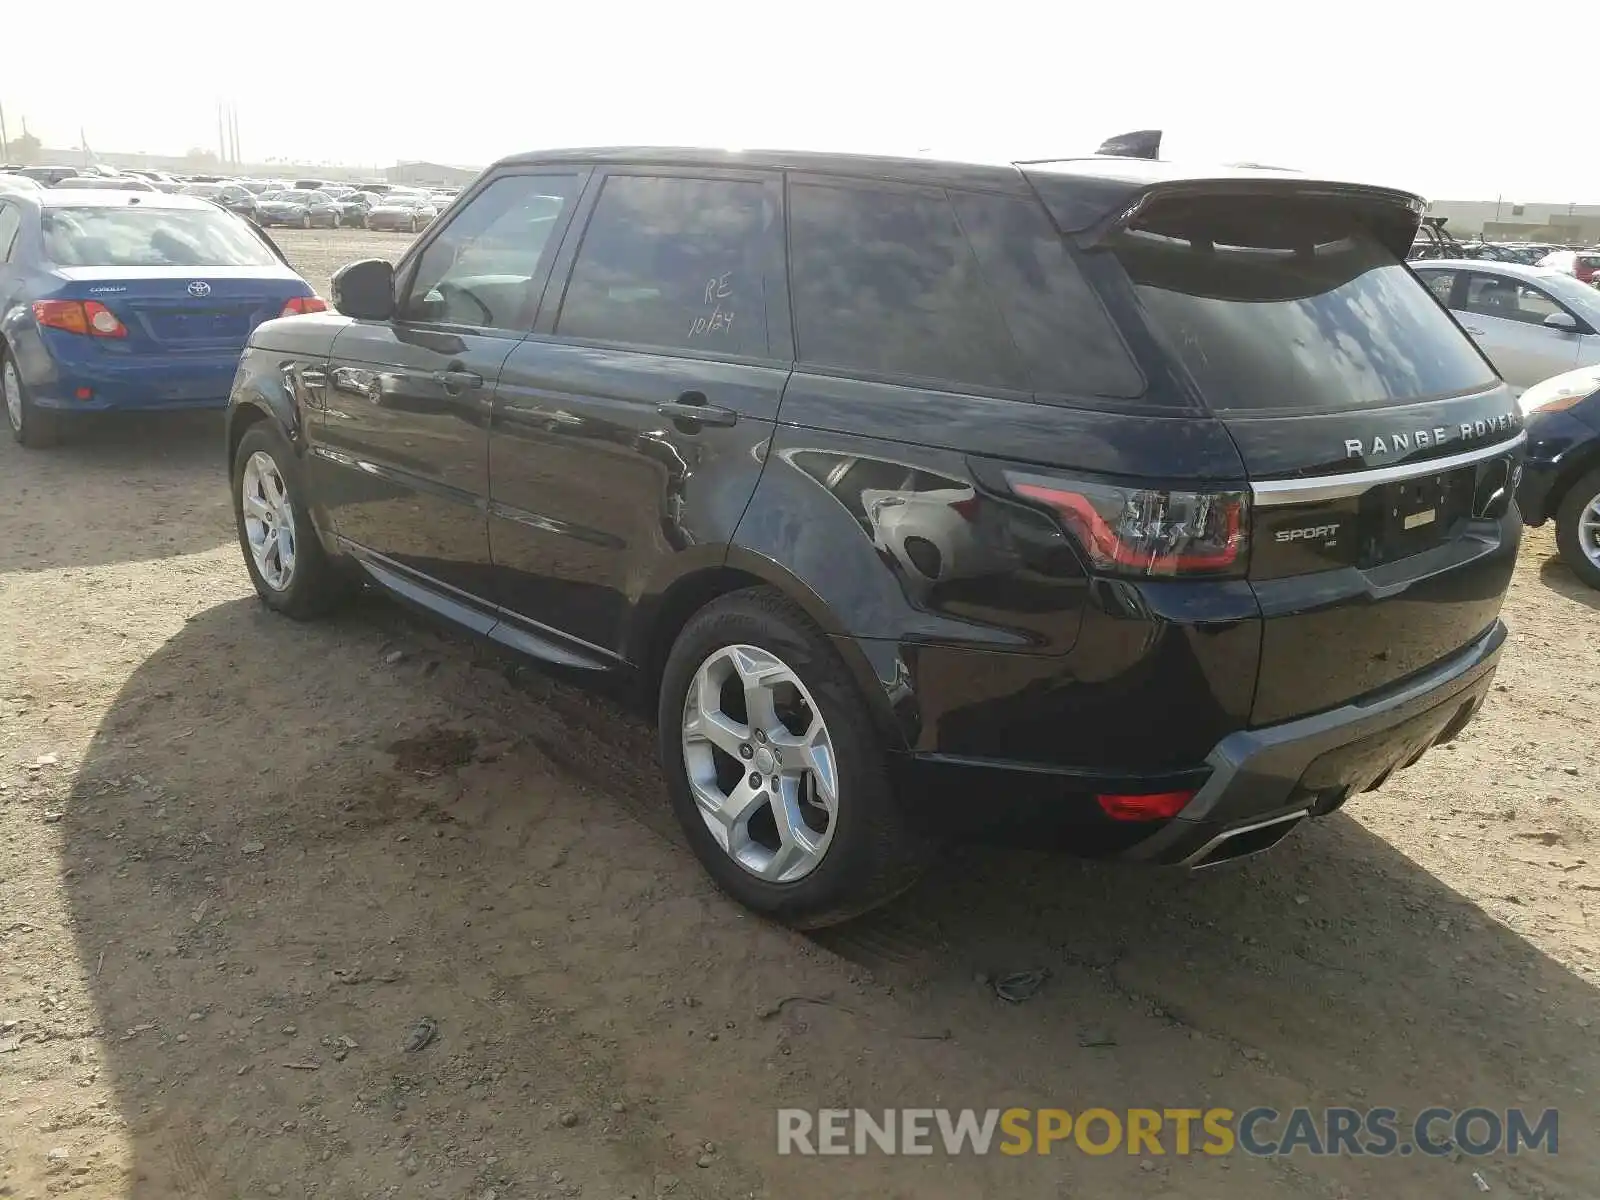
[430, 174]
[1575, 224]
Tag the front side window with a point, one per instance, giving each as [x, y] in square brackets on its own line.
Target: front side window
[151, 237]
[480, 270]
[676, 263]
[1509, 299]
[884, 281]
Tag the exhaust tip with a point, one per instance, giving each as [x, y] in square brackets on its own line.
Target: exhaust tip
[1245, 841]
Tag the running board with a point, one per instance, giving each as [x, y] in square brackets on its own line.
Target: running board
[490, 621]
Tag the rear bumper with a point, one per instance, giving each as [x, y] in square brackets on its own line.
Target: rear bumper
[1251, 789]
[1264, 781]
[149, 383]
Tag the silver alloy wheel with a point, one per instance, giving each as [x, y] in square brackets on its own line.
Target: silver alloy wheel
[1589, 530]
[763, 776]
[12, 384]
[268, 520]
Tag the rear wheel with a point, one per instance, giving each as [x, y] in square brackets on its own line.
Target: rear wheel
[287, 564]
[774, 769]
[1578, 528]
[30, 426]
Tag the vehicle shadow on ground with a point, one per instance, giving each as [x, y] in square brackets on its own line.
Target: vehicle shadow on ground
[252, 878]
[1558, 577]
[123, 472]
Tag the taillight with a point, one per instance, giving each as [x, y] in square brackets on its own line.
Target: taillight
[1156, 806]
[79, 316]
[299, 305]
[1143, 531]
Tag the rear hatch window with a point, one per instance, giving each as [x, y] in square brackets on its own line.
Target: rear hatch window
[1291, 306]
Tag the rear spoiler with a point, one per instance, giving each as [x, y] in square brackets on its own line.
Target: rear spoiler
[1090, 199]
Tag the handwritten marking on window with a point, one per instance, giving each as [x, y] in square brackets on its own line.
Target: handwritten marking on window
[718, 320]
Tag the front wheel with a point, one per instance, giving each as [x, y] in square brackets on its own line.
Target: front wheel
[287, 564]
[774, 768]
[1578, 528]
[30, 426]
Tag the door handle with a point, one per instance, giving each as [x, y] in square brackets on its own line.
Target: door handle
[313, 377]
[691, 409]
[459, 381]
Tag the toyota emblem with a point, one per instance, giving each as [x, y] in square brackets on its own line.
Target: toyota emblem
[199, 288]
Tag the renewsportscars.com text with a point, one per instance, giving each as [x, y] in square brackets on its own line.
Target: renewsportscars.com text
[1261, 1132]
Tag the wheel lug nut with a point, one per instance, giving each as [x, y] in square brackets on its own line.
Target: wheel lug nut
[755, 780]
[745, 751]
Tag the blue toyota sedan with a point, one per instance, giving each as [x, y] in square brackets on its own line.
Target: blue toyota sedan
[128, 300]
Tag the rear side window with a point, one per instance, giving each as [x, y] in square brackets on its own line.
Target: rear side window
[884, 281]
[151, 237]
[1291, 303]
[10, 224]
[675, 263]
[1065, 337]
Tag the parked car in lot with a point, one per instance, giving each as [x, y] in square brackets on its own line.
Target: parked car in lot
[1582, 265]
[1532, 322]
[1561, 479]
[49, 176]
[353, 209]
[19, 183]
[234, 197]
[120, 300]
[305, 209]
[1233, 492]
[402, 211]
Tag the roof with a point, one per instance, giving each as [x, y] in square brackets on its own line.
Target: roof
[1102, 183]
[1510, 269]
[104, 198]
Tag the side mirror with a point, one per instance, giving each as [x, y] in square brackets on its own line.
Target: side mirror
[1563, 321]
[365, 290]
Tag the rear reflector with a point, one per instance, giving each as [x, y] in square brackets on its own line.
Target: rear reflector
[300, 305]
[1156, 806]
[1144, 532]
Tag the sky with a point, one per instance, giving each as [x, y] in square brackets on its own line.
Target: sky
[1352, 89]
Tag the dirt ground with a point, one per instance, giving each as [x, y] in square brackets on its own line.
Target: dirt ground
[241, 859]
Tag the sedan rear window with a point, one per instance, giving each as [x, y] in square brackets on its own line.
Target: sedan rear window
[1292, 304]
[151, 237]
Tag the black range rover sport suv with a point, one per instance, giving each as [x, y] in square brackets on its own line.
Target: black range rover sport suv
[1168, 503]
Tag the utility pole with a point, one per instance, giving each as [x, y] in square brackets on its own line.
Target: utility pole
[5, 142]
[238, 155]
[222, 137]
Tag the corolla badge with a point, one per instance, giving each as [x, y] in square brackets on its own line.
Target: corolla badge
[199, 288]
[1438, 435]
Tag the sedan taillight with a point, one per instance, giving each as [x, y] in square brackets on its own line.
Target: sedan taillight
[1145, 532]
[300, 305]
[79, 316]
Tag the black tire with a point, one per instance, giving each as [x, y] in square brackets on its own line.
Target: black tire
[875, 853]
[1580, 495]
[316, 584]
[35, 428]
